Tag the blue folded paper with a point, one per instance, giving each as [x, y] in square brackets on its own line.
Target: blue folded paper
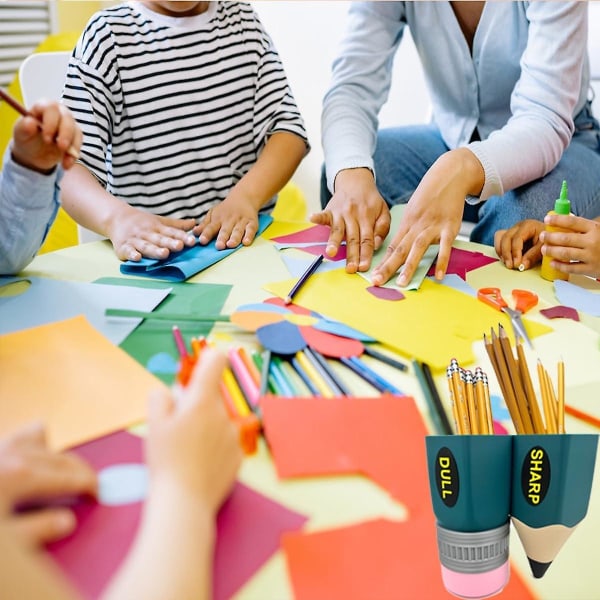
[189, 261]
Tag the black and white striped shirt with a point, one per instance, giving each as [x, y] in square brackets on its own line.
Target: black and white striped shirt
[175, 113]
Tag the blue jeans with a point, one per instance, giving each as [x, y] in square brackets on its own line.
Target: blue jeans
[404, 154]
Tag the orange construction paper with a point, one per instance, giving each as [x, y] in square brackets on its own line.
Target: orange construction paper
[380, 559]
[382, 438]
[70, 377]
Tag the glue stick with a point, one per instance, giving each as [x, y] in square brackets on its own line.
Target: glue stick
[562, 206]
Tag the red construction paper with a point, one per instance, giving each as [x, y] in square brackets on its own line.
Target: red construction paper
[331, 345]
[249, 527]
[316, 233]
[385, 293]
[382, 438]
[463, 261]
[557, 312]
[380, 559]
[320, 249]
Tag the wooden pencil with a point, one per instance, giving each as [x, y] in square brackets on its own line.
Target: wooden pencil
[561, 397]
[552, 401]
[548, 418]
[25, 113]
[488, 404]
[460, 400]
[532, 402]
[482, 422]
[467, 379]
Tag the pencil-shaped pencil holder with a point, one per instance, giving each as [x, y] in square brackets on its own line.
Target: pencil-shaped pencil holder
[552, 480]
[469, 480]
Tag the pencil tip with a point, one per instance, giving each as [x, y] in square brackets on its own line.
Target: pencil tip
[287, 300]
[538, 569]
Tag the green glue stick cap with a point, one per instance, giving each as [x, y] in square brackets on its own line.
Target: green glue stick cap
[562, 205]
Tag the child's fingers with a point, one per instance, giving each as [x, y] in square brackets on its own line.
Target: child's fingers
[205, 380]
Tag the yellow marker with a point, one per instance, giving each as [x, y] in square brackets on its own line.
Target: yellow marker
[236, 394]
[315, 377]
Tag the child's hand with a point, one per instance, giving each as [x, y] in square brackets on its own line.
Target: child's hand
[576, 251]
[520, 245]
[135, 233]
[42, 147]
[193, 446]
[234, 221]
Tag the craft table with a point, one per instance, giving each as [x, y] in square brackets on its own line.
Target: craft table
[345, 500]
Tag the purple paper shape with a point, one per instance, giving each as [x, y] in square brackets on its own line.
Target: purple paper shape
[385, 293]
[463, 261]
[249, 527]
[560, 311]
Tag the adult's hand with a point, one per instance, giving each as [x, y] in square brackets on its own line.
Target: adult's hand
[432, 216]
[358, 214]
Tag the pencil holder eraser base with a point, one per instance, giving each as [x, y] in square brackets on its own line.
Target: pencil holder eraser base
[474, 564]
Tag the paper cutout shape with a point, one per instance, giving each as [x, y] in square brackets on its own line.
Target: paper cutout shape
[249, 527]
[313, 234]
[385, 293]
[152, 338]
[281, 338]
[458, 284]
[436, 312]
[576, 297]
[462, 261]
[49, 300]
[560, 312]
[69, 376]
[189, 261]
[375, 559]
[381, 438]
[298, 266]
[330, 345]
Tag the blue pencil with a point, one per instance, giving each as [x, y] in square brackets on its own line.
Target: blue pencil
[320, 363]
[382, 380]
[304, 376]
[304, 278]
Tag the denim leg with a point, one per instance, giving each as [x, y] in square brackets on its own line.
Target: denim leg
[579, 166]
[402, 157]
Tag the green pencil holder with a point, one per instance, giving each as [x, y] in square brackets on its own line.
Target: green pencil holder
[552, 482]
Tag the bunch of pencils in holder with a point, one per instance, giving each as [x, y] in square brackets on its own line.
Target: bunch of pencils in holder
[516, 385]
[470, 396]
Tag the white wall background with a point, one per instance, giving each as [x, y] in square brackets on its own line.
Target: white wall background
[307, 33]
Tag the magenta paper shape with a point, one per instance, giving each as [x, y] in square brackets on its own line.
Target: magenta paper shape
[316, 233]
[249, 527]
[385, 293]
[558, 312]
[463, 261]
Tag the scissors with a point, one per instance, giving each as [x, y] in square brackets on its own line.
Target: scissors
[524, 300]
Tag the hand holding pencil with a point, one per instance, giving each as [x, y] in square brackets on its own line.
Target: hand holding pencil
[45, 136]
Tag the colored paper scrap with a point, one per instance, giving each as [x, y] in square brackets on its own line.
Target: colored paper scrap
[435, 312]
[313, 234]
[462, 261]
[181, 265]
[560, 312]
[385, 293]
[70, 377]
[375, 559]
[155, 337]
[297, 266]
[249, 527]
[583, 300]
[49, 300]
[381, 438]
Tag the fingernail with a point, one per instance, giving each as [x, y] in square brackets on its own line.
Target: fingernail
[331, 250]
[65, 522]
[439, 275]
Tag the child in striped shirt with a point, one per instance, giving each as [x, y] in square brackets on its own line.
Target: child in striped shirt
[190, 126]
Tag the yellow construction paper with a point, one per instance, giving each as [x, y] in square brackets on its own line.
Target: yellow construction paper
[434, 324]
[279, 228]
[71, 378]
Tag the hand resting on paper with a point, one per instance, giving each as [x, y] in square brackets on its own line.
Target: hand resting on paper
[30, 474]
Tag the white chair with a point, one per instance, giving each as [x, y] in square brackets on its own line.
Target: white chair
[42, 75]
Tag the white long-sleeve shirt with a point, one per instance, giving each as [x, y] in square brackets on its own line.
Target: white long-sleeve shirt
[28, 206]
[525, 80]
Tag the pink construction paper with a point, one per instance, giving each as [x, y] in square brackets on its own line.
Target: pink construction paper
[463, 261]
[382, 438]
[557, 312]
[316, 233]
[249, 527]
[385, 293]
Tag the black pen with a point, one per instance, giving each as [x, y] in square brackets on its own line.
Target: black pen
[311, 269]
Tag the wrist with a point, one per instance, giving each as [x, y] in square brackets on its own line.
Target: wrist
[21, 161]
[352, 177]
[470, 170]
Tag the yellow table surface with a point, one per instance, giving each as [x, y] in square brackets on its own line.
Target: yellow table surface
[574, 574]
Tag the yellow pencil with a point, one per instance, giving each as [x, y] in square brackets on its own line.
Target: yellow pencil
[316, 379]
[235, 393]
[561, 397]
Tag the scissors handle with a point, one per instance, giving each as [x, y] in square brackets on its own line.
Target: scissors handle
[492, 297]
[524, 300]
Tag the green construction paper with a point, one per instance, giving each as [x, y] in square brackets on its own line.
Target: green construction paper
[153, 336]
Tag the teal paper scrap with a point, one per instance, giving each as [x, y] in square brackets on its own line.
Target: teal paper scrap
[182, 265]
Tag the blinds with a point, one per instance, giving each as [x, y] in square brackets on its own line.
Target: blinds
[23, 26]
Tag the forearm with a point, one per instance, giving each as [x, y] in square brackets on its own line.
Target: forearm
[28, 205]
[173, 552]
[276, 164]
[88, 202]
